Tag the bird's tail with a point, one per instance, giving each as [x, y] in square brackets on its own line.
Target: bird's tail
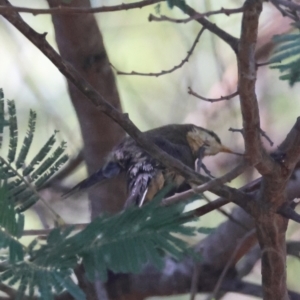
[110, 170]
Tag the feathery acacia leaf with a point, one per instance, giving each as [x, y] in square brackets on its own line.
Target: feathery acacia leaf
[3, 122]
[39, 183]
[21, 190]
[13, 130]
[40, 155]
[124, 242]
[27, 140]
[49, 161]
[11, 227]
[286, 56]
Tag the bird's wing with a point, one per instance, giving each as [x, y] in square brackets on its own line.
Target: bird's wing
[110, 170]
[137, 190]
[147, 176]
[179, 151]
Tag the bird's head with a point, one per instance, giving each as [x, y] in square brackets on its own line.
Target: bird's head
[199, 137]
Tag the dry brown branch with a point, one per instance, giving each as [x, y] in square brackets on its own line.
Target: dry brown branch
[223, 35]
[77, 10]
[293, 248]
[86, 53]
[264, 134]
[185, 60]
[271, 228]
[238, 170]
[263, 64]
[289, 213]
[122, 119]
[225, 11]
[222, 98]
[246, 86]
[225, 213]
[247, 241]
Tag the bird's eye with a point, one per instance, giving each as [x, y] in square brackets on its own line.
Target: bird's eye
[206, 143]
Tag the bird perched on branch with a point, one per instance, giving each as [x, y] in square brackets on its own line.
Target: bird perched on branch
[145, 175]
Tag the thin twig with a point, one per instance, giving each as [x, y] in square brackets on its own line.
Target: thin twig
[236, 130]
[289, 213]
[238, 170]
[263, 133]
[75, 10]
[228, 97]
[265, 63]
[225, 11]
[41, 232]
[185, 60]
[245, 239]
[194, 284]
[225, 213]
[209, 207]
[222, 34]
[293, 248]
[8, 290]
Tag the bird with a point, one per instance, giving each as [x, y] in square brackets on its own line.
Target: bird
[145, 175]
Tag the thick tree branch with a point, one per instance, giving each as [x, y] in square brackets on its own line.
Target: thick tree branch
[290, 146]
[87, 54]
[271, 227]
[122, 119]
[246, 87]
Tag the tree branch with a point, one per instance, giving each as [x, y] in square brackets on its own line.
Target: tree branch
[223, 35]
[222, 98]
[238, 170]
[77, 10]
[225, 11]
[246, 87]
[122, 119]
[185, 60]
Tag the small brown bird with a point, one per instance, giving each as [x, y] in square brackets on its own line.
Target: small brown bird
[145, 175]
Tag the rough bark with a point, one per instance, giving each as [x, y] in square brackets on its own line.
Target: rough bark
[81, 44]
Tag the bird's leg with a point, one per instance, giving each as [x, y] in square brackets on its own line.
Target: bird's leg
[207, 171]
[200, 165]
[200, 157]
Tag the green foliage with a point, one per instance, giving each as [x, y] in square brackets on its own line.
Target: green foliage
[11, 226]
[180, 3]
[286, 56]
[3, 122]
[206, 230]
[124, 242]
[129, 240]
[21, 190]
[27, 140]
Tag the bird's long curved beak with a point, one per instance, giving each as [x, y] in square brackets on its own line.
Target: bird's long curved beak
[227, 150]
